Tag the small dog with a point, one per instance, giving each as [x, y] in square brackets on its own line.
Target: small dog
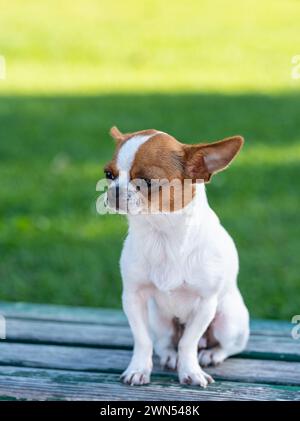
[179, 266]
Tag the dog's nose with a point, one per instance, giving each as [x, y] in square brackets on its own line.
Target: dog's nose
[113, 195]
[117, 198]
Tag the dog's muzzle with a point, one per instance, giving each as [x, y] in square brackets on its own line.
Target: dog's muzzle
[124, 199]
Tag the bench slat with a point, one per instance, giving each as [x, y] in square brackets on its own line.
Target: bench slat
[33, 384]
[61, 352]
[63, 313]
[107, 360]
[269, 347]
[110, 316]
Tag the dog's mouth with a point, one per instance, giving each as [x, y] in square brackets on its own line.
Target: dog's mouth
[131, 204]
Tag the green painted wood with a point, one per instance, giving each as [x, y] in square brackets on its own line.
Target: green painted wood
[63, 313]
[83, 334]
[110, 316]
[60, 352]
[41, 384]
[271, 327]
[108, 360]
[273, 348]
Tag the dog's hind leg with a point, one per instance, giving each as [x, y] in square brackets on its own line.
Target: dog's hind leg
[164, 332]
[229, 330]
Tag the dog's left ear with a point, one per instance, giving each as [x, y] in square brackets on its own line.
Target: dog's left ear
[116, 134]
[202, 161]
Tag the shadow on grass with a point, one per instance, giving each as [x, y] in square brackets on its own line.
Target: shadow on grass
[54, 248]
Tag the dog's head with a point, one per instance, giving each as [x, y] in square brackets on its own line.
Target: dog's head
[153, 172]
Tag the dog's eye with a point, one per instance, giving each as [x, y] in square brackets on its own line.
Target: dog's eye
[109, 175]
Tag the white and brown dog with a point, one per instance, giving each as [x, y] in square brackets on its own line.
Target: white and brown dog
[179, 265]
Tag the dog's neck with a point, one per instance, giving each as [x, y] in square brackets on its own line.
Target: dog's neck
[193, 217]
[167, 240]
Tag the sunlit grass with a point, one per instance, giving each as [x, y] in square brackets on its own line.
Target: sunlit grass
[153, 45]
[262, 155]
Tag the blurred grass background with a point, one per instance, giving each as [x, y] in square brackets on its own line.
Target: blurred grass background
[201, 70]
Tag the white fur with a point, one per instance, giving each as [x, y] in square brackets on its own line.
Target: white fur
[180, 265]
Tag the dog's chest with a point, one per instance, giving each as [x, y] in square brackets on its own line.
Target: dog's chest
[174, 263]
[177, 303]
[165, 261]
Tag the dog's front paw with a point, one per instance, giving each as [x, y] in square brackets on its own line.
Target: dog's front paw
[136, 377]
[195, 376]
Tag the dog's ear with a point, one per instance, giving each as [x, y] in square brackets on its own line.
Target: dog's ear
[202, 161]
[116, 134]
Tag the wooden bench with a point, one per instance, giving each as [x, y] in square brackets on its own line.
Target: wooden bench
[57, 352]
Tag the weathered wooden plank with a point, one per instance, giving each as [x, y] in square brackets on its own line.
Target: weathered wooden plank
[271, 327]
[110, 316]
[62, 313]
[107, 360]
[36, 331]
[271, 347]
[40, 384]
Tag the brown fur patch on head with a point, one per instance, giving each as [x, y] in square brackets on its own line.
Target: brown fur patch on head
[120, 137]
[160, 157]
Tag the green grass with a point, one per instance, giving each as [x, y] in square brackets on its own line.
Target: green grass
[199, 72]
[116, 45]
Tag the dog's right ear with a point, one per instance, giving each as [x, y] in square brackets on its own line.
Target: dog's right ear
[116, 134]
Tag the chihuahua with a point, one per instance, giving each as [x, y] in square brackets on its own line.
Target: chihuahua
[179, 266]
